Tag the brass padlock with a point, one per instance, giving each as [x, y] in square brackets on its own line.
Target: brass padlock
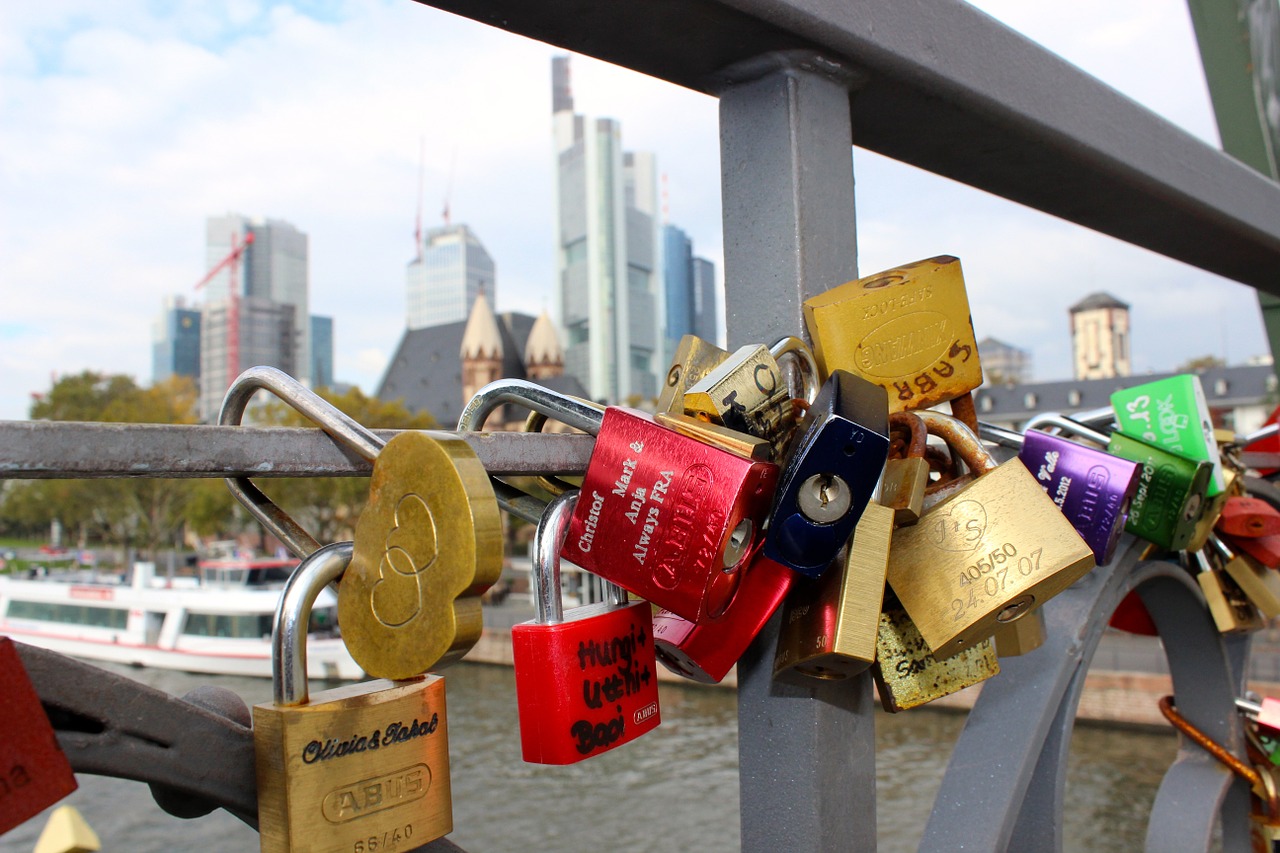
[694, 359]
[1230, 608]
[747, 392]
[358, 766]
[907, 329]
[985, 556]
[906, 475]
[1020, 636]
[427, 545]
[906, 672]
[829, 623]
[1260, 584]
[739, 443]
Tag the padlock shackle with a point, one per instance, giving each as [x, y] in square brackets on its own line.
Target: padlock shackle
[806, 366]
[1101, 418]
[961, 440]
[1221, 547]
[293, 616]
[1250, 709]
[548, 539]
[1259, 434]
[1067, 425]
[579, 414]
[1002, 436]
[915, 428]
[337, 424]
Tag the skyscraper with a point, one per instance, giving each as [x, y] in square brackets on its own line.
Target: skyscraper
[442, 283]
[264, 319]
[706, 304]
[175, 341]
[607, 290]
[677, 280]
[321, 351]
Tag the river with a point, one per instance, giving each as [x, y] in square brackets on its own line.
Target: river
[675, 788]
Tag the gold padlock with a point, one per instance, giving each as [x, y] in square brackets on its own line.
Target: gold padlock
[694, 359]
[1020, 636]
[359, 762]
[906, 475]
[737, 443]
[748, 393]
[1230, 608]
[907, 329]
[908, 675]
[1260, 584]
[427, 546]
[830, 623]
[985, 556]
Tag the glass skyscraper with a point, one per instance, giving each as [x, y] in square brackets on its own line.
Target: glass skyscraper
[175, 341]
[443, 282]
[609, 253]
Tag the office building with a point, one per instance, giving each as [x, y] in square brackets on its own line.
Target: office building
[451, 269]
[608, 253]
[175, 341]
[706, 301]
[689, 287]
[321, 351]
[255, 309]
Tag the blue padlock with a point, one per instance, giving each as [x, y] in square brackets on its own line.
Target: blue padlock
[836, 458]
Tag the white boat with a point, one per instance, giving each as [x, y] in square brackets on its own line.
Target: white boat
[219, 622]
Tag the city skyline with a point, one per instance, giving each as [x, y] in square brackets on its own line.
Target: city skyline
[269, 109]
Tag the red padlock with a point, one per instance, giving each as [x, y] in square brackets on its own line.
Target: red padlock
[1249, 517]
[34, 771]
[661, 514]
[1264, 549]
[1131, 616]
[588, 682]
[705, 651]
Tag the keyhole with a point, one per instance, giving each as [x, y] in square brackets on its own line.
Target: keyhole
[824, 498]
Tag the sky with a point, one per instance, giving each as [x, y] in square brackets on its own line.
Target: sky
[124, 125]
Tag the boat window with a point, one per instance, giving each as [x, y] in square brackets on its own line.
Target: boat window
[324, 622]
[242, 626]
[270, 575]
[71, 614]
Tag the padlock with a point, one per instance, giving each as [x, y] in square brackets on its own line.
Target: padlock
[986, 555]
[746, 392]
[586, 681]
[1230, 608]
[706, 650]
[906, 476]
[906, 329]
[1132, 616]
[1172, 413]
[737, 443]
[1170, 498]
[1093, 488]
[694, 359]
[907, 673]
[1264, 549]
[34, 771]
[1261, 584]
[663, 515]
[1248, 517]
[362, 761]
[1021, 636]
[1265, 714]
[835, 464]
[427, 546]
[829, 624]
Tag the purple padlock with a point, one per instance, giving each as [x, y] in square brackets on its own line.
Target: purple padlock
[1091, 487]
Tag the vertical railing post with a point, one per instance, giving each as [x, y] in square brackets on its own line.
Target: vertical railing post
[806, 756]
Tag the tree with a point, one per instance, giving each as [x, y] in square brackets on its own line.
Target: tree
[1200, 364]
[329, 507]
[146, 513]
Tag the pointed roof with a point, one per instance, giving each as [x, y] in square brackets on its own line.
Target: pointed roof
[481, 338]
[1097, 300]
[544, 344]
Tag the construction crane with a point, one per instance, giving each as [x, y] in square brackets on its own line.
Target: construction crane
[231, 263]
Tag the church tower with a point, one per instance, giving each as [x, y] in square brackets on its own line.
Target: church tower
[543, 355]
[1100, 337]
[481, 348]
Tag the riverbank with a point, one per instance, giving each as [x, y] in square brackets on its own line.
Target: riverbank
[1128, 677]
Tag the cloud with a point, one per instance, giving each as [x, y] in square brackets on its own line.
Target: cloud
[124, 127]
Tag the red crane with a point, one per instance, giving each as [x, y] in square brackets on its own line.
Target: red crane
[231, 263]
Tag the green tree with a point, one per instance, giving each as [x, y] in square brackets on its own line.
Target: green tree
[1200, 363]
[328, 507]
[145, 513]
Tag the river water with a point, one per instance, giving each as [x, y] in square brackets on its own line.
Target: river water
[676, 788]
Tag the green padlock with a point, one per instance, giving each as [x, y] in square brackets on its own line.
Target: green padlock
[1174, 414]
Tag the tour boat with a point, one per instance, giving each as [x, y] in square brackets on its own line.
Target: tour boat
[217, 622]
